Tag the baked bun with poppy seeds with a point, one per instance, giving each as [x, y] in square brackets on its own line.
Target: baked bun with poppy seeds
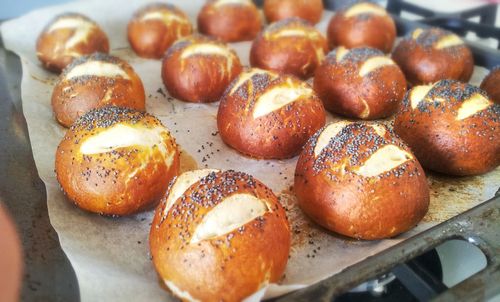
[362, 24]
[360, 82]
[266, 115]
[362, 181]
[230, 20]
[116, 161]
[155, 27]
[310, 10]
[95, 81]
[452, 127]
[290, 46]
[198, 69]
[69, 36]
[219, 236]
[429, 55]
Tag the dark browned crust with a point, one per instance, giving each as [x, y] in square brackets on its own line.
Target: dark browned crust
[365, 30]
[74, 97]
[50, 46]
[443, 144]
[241, 258]
[200, 78]
[296, 55]
[98, 182]
[152, 38]
[310, 10]
[423, 64]
[277, 135]
[231, 22]
[361, 207]
[491, 84]
[342, 89]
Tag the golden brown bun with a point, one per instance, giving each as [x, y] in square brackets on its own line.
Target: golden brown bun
[429, 55]
[95, 81]
[155, 27]
[69, 36]
[266, 115]
[360, 82]
[198, 69]
[116, 161]
[219, 236]
[362, 25]
[310, 10]
[360, 180]
[452, 128]
[230, 20]
[289, 46]
[491, 84]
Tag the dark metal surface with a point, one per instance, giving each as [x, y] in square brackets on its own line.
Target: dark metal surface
[48, 275]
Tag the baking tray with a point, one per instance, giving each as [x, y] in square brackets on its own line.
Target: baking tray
[49, 275]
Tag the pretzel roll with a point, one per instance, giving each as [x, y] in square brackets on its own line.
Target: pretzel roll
[219, 236]
[289, 46]
[362, 24]
[429, 55]
[453, 127]
[310, 10]
[230, 20]
[116, 161]
[69, 36]
[95, 81]
[266, 115]
[360, 82]
[360, 180]
[491, 84]
[198, 69]
[155, 27]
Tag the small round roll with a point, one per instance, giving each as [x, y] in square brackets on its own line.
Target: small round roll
[310, 10]
[453, 128]
[491, 84]
[429, 55]
[95, 81]
[362, 24]
[289, 46]
[230, 20]
[219, 236]
[360, 180]
[69, 36]
[155, 27]
[266, 115]
[116, 161]
[361, 83]
[198, 69]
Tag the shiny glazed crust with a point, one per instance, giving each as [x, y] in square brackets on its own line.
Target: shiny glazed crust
[491, 84]
[310, 10]
[91, 88]
[53, 51]
[116, 180]
[441, 141]
[331, 190]
[225, 267]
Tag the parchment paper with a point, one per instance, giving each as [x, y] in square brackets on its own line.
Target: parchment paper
[110, 255]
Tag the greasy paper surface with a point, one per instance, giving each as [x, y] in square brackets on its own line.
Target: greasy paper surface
[110, 255]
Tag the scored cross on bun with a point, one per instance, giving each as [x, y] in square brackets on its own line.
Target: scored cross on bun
[198, 69]
[219, 236]
[69, 36]
[290, 46]
[266, 115]
[429, 55]
[116, 161]
[360, 180]
[155, 27]
[452, 127]
[95, 81]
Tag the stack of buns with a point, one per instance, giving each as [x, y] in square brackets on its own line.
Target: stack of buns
[217, 228]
